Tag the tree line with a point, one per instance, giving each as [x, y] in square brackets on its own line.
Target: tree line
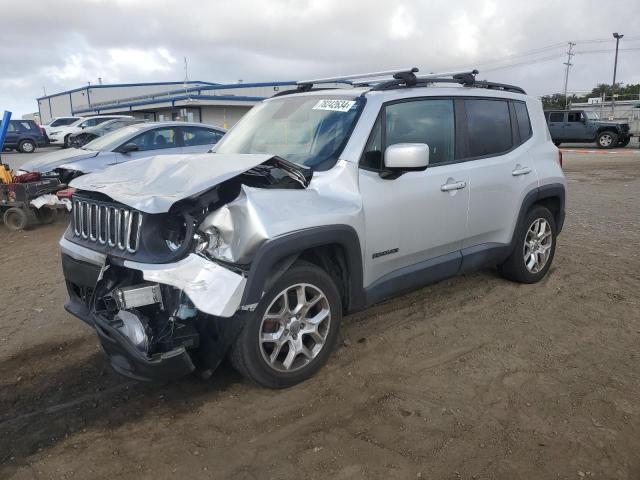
[626, 92]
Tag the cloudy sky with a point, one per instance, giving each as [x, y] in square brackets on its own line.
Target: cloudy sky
[65, 44]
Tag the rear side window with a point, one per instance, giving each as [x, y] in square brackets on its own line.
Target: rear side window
[524, 123]
[193, 136]
[574, 117]
[28, 125]
[488, 127]
[556, 117]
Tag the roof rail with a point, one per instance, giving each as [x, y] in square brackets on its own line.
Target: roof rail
[356, 76]
[390, 79]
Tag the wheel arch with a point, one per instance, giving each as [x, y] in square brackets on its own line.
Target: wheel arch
[551, 196]
[334, 248]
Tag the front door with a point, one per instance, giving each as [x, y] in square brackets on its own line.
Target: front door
[418, 215]
[157, 141]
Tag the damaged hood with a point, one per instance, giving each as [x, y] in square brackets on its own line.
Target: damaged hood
[154, 184]
[51, 161]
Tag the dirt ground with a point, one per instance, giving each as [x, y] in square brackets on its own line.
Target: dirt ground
[473, 378]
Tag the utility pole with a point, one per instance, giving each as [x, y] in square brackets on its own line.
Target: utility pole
[566, 73]
[617, 36]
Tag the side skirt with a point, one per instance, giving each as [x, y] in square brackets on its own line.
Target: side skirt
[436, 269]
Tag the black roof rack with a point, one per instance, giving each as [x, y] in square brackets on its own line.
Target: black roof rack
[403, 78]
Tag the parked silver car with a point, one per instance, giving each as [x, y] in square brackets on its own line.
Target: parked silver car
[317, 203]
[126, 144]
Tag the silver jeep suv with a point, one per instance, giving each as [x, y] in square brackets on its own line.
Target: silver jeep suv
[319, 202]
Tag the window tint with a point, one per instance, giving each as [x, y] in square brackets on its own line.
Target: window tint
[193, 136]
[524, 124]
[156, 139]
[556, 117]
[574, 117]
[11, 128]
[28, 125]
[423, 121]
[488, 127]
[60, 122]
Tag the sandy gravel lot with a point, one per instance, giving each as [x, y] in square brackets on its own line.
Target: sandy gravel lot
[473, 378]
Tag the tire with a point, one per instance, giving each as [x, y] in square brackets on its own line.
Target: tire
[519, 267]
[46, 215]
[557, 144]
[254, 357]
[624, 143]
[16, 219]
[27, 146]
[66, 142]
[607, 139]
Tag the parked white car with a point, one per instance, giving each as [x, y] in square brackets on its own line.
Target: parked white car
[60, 136]
[58, 122]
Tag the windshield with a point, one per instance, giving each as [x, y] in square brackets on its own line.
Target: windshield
[592, 115]
[111, 140]
[307, 130]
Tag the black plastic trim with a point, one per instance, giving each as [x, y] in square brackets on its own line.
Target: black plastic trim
[413, 276]
[279, 248]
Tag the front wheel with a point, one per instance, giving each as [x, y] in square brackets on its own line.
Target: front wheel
[607, 139]
[535, 246]
[292, 332]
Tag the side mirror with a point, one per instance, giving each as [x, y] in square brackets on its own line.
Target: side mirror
[407, 156]
[129, 147]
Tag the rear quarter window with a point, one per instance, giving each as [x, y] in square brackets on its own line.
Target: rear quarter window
[524, 123]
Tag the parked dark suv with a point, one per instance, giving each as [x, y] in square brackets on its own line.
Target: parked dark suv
[580, 126]
[24, 136]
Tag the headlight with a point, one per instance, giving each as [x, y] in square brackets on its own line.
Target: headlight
[54, 133]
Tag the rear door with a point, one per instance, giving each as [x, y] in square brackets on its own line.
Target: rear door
[11, 140]
[501, 170]
[419, 215]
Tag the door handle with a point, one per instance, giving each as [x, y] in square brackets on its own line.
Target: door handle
[452, 185]
[520, 170]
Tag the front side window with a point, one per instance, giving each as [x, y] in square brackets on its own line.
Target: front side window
[418, 121]
[574, 117]
[488, 127]
[157, 139]
[423, 121]
[307, 130]
[194, 136]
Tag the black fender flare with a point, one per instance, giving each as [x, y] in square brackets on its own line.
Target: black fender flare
[285, 248]
[552, 190]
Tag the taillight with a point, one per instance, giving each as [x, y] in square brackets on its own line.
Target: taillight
[560, 157]
[41, 130]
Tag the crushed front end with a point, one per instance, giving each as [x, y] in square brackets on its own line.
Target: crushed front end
[161, 303]
[159, 309]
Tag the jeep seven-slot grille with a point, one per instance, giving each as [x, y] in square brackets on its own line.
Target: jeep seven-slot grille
[109, 225]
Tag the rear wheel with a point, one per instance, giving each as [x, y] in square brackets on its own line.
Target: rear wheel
[16, 219]
[607, 139]
[292, 332]
[535, 246]
[27, 146]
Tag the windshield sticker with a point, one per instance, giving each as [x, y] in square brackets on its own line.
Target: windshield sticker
[335, 105]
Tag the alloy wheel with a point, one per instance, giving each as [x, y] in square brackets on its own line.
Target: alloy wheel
[294, 327]
[537, 245]
[606, 140]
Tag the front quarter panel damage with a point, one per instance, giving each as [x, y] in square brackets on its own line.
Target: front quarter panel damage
[258, 214]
